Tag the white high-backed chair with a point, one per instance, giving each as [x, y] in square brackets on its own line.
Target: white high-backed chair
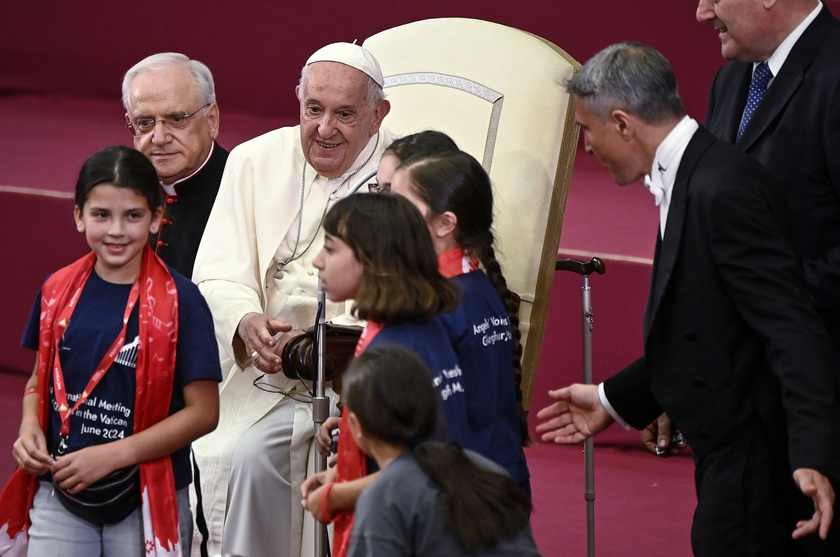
[497, 91]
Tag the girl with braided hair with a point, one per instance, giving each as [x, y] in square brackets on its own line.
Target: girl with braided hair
[455, 195]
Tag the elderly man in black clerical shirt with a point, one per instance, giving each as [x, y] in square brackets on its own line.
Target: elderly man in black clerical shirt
[171, 111]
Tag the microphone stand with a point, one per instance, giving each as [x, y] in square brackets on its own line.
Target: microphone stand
[320, 409]
[320, 402]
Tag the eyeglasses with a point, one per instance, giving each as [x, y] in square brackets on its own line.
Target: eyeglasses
[376, 187]
[142, 126]
[298, 395]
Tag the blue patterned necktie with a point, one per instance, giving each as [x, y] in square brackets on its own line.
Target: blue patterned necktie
[758, 85]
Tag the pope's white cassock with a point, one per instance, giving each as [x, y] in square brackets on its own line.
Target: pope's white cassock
[253, 227]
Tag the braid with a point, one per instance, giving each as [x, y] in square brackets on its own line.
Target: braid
[456, 182]
[491, 265]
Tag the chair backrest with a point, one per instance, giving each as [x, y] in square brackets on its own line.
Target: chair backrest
[497, 91]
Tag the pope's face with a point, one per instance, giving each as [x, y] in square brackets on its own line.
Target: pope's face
[336, 116]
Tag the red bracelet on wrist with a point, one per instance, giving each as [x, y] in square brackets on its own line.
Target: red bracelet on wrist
[30, 391]
[324, 495]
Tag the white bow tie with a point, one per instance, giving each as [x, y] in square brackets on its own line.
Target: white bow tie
[654, 184]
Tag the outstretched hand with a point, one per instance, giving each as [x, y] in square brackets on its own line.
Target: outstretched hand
[817, 487]
[576, 415]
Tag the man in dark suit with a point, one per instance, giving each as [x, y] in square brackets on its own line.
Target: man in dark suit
[171, 111]
[795, 129]
[734, 351]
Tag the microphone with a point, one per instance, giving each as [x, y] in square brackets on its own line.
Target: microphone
[321, 328]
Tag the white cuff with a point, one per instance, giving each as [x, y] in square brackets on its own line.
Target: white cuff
[603, 396]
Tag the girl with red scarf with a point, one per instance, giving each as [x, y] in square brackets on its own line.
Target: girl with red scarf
[108, 397]
[378, 253]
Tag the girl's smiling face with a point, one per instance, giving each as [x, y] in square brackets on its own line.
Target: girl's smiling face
[116, 223]
[339, 270]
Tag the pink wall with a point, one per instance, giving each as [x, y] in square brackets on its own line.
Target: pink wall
[256, 47]
[61, 64]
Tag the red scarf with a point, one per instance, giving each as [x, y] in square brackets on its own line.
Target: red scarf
[352, 463]
[158, 332]
[455, 262]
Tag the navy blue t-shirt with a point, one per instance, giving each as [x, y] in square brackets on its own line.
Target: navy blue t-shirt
[430, 342]
[480, 332]
[108, 413]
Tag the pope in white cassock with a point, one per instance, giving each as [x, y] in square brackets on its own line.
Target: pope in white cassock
[254, 267]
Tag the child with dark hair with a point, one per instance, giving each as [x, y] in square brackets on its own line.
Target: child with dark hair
[430, 498]
[125, 379]
[378, 253]
[454, 194]
[429, 142]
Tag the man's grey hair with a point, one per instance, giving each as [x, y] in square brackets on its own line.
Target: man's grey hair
[632, 77]
[375, 93]
[199, 71]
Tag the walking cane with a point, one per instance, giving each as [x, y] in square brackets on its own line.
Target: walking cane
[597, 266]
